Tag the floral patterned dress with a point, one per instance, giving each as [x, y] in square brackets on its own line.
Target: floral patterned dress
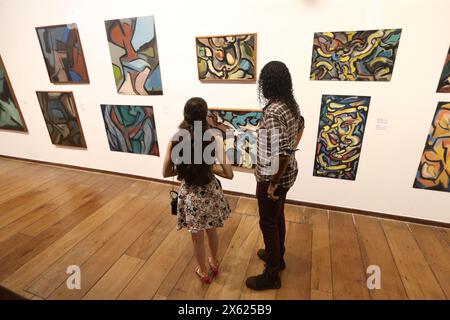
[201, 207]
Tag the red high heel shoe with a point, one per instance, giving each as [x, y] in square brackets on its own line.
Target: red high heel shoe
[214, 268]
[205, 279]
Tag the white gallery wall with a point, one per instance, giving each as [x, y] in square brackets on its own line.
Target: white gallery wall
[390, 154]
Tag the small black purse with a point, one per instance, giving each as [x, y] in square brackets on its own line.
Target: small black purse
[174, 202]
[173, 195]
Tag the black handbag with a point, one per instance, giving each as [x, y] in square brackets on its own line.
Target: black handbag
[174, 202]
[173, 195]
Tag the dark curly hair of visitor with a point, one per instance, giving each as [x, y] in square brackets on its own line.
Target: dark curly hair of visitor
[195, 109]
[275, 83]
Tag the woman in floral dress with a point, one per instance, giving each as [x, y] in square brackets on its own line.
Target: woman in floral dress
[202, 206]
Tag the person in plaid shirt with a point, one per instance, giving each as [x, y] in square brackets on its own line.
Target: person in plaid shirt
[279, 133]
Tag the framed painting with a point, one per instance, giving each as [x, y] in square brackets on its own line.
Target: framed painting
[434, 168]
[339, 140]
[227, 58]
[134, 55]
[131, 129]
[63, 54]
[11, 117]
[444, 81]
[61, 117]
[239, 129]
[355, 55]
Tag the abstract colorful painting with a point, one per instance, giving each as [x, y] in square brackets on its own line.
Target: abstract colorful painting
[10, 115]
[134, 55]
[444, 81]
[355, 55]
[227, 58]
[241, 141]
[339, 141]
[434, 167]
[131, 129]
[61, 117]
[63, 55]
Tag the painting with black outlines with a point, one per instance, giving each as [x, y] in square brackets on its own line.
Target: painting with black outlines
[355, 55]
[63, 54]
[61, 117]
[241, 141]
[444, 81]
[434, 168]
[10, 115]
[134, 55]
[227, 58]
[339, 140]
[131, 129]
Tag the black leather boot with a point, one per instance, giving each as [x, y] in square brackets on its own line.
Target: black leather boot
[262, 255]
[269, 279]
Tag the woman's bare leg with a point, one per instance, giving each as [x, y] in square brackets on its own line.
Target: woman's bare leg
[213, 241]
[198, 240]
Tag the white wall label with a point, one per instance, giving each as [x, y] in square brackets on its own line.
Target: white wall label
[381, 124]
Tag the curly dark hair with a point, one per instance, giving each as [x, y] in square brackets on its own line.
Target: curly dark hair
[275, 84]
[195, 109]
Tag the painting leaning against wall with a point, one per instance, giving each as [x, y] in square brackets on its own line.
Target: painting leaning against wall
[134, 55]
[227, 58]
[10, 115]
[434, 168]
[130, 129]
[444, 81]
[339, 141]
[355, 55]
[241, 140]
[63, 54]
[61, 117]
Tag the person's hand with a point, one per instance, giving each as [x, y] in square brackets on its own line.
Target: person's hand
[271, 192]
[212, 120]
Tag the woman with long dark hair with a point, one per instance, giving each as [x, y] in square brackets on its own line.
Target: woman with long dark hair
[202, 206]
[279, 133]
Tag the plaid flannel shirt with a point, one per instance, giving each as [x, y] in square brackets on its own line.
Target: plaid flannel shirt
[280, 124]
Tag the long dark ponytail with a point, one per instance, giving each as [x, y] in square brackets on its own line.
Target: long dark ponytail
[195, 112]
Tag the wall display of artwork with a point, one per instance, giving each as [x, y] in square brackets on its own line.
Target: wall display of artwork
[434, 168]
[354, 55]
[10, 115]
[339, 141]
[61, 117]
[227, 58]
[63, 54]
[134, 55]
[444, 81]
[131, 129]
[240, 146]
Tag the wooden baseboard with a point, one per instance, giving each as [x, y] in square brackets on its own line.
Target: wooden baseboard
[240, 194]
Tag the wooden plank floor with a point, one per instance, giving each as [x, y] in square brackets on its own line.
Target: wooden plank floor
[120, 233]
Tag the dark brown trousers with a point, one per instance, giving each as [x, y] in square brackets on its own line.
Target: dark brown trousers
[272, 223]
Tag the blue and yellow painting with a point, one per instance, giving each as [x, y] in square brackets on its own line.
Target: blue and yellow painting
[355, 55]
[339, 140]
[227, 58]
[434, 168]
[239, 129]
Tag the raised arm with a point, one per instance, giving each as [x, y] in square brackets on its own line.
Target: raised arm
[222, 169]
